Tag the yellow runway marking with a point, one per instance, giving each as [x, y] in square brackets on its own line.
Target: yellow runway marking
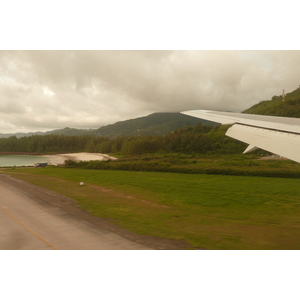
[33, 232]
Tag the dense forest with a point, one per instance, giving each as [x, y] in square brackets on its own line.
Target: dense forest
[189, 139]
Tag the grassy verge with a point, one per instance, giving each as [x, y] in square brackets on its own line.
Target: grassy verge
[208, 211]
[239, 165]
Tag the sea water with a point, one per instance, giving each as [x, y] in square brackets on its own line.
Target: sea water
[21, 160]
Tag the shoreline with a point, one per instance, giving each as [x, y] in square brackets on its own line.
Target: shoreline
[26, 153]
[60, 158]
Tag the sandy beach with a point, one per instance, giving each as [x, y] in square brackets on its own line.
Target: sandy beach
[57, 159]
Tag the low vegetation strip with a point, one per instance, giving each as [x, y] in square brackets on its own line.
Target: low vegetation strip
[237, 165]
[206, 211]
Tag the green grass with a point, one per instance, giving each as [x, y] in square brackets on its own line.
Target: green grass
[241, 165]
[208, 211]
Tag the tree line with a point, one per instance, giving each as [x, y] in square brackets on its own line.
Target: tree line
[189, 139]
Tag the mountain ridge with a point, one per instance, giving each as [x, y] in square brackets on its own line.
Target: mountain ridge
[153, 124]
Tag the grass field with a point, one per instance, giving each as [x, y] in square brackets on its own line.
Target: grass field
[207, 211]
[241, 165]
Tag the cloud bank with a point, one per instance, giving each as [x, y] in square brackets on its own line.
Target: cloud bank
[44, 90]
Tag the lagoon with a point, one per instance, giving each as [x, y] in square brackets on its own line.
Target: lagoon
[21, 160]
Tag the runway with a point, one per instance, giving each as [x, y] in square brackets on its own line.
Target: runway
[28, 223]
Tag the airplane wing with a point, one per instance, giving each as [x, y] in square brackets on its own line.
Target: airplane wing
[279, 135]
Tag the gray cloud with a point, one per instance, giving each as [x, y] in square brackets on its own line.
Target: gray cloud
[43, 90]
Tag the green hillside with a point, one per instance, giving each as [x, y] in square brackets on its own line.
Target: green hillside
[290, 107]
[20, 134]
[154, 124]
[71, 131]
[66, 131]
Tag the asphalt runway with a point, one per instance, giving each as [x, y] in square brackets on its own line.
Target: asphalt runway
[26, 223]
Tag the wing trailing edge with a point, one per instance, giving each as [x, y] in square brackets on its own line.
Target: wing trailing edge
[278, 135]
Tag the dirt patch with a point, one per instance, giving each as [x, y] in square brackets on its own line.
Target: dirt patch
[273, 157]
[47, 197]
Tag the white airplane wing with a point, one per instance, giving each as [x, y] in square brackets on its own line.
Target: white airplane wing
[279, 135]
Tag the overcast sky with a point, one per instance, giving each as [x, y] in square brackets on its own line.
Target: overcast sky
[44, 90]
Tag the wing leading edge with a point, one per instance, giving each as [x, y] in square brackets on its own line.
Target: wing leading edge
[278, 135]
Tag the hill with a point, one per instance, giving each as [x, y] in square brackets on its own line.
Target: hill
[154, 124]
[71, 131]
[66, 131]
[289, 107]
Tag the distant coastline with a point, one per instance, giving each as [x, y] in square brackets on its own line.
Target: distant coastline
[29, 153]
[15, 158]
